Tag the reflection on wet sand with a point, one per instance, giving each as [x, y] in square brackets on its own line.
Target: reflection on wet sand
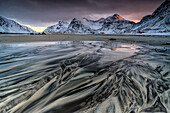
[90, 77]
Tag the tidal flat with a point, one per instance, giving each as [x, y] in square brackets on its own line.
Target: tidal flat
[89, 75]
[133, 39]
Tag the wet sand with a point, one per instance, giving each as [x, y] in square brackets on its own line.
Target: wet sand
[84, 77]
[151, 40]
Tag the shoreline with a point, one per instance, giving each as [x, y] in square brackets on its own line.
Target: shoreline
[151, 40]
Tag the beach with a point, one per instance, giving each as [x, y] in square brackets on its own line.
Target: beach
[88, 56]
[151, 40]
[66, 73]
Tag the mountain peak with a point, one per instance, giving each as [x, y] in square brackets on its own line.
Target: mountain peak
[163, 9]
[62, 22]
[117, 16]
[85, 19]
[74, 19]
[1, 17]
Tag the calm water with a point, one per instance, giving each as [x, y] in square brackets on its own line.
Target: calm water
[84, 77]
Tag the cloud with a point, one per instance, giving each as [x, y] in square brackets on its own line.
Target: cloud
[47, 12]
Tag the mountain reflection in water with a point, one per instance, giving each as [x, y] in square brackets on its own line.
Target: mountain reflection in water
[86, 76]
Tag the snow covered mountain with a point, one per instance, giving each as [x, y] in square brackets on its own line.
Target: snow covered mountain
[158, 22]
[116, 25]
[10, 26]
[60, 27]
[111, 25]
[77, 26]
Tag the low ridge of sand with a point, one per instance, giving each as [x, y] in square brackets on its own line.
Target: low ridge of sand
[151, 40]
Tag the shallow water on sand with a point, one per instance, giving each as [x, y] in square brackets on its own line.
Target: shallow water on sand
[84, 76]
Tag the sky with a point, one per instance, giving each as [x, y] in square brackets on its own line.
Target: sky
[39, 14]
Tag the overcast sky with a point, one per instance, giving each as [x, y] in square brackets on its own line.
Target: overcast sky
[42, 13]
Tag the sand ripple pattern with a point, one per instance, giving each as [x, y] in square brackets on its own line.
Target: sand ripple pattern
[89, 77]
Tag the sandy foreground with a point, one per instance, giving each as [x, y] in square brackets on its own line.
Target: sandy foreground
[151, 40]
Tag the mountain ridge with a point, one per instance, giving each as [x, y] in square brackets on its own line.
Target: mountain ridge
[106, 25]
[157, 22]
